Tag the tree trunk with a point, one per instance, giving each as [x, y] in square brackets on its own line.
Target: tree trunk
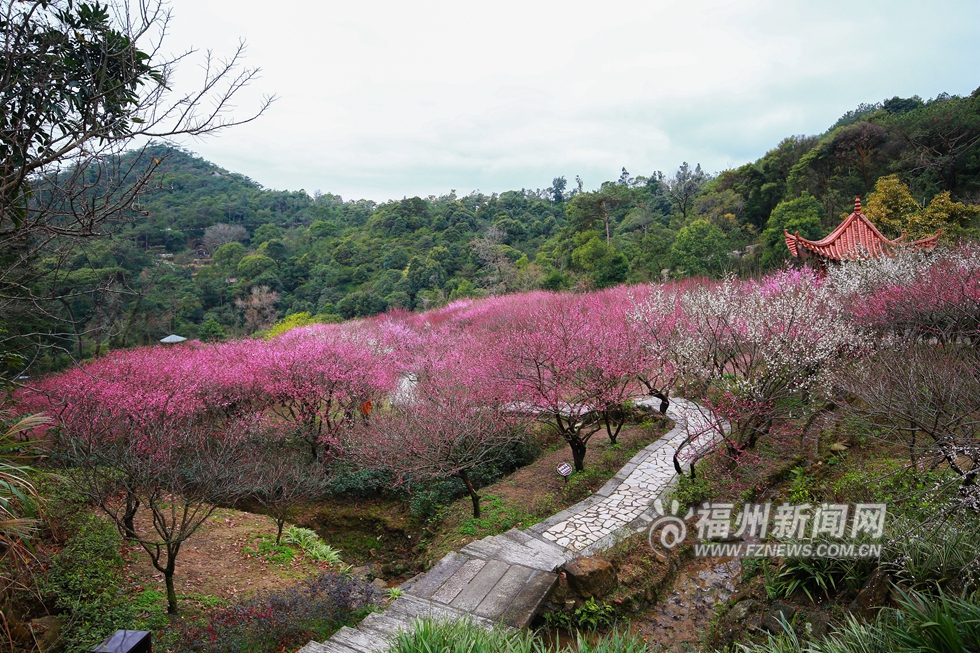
[473, 495]
[613, 434]
[664, 399]
[132, 505]
[168, 575]
[578, 455]
[279, 524]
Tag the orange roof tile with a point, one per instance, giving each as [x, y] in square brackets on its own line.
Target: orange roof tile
[856, 237]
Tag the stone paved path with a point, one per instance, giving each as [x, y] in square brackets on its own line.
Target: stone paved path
[503, 579]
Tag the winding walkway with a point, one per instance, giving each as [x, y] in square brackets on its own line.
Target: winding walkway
[504, 579]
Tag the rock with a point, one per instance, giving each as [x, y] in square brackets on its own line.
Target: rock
[818, 624]
[754, 625]
[872, 596]
[379, 585]
[741, 610]
[367, 572]
[780, 612]
[591, 577]
[47, 631]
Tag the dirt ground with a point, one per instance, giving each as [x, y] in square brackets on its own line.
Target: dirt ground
[220, 561]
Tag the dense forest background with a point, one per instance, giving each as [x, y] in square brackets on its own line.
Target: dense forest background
[206, 253]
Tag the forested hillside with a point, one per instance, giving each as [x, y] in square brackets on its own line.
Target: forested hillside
[206, 253]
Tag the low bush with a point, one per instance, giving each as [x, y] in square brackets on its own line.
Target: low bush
[466, 637]
[278, 621]
[942, 624]
[84, 583]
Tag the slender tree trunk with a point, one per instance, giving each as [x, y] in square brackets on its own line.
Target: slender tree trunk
[474, 497]
[132, 505]
[613, 434]
[279, 524]
[578, 454]
[168, 575]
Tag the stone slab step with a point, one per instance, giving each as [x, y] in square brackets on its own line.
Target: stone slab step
[409, 608]
[499, 598]
[385, 625]
[508, 550]
[546, 550]
[450, 589]
[478, 588]
[433, 579]
[325, 647]
[527, 602]
[366, 642]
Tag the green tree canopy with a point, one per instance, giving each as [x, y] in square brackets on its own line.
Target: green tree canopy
[700, 249]
[801, 215]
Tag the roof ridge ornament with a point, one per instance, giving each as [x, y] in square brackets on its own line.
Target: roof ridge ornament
[857, 204]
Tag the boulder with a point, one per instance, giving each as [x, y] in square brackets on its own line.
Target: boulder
[780, 612]
[817, 623]
[47, 632]
[743, 609]
[591, 577]
[872, 597]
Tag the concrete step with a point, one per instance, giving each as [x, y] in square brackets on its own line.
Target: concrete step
[409, 608]
[525, 605]
[365, 642]
[481, 584]
[433, 579]
[325, 647]
[505, 549]
[385, 625]
[503, 593]
[453, 585]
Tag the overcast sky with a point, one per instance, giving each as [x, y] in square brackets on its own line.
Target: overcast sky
[386, 99]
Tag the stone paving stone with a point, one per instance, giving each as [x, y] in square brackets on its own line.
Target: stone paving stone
[359, 641]
[499, 598]
[452, 587]
[478, 588]
[439, 574]
[526, 604]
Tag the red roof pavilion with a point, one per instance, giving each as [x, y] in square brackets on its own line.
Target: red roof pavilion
[855, 238]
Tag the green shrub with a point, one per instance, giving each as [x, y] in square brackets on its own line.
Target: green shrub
[943, 624]
[312, 545]
[592, 615]
[84, 584]
[822, 576]
[464, 636]
[692, 491]
[944, 556]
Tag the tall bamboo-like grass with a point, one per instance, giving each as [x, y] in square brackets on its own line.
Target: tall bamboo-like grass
[464, 636]
[942, 624]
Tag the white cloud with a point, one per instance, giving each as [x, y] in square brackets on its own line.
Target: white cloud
[385, 99]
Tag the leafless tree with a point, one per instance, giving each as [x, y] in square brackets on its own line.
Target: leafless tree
[217, 235]
[179, 472]
[282, 478]
[927, 398]
[259, 308]
[80, 85]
